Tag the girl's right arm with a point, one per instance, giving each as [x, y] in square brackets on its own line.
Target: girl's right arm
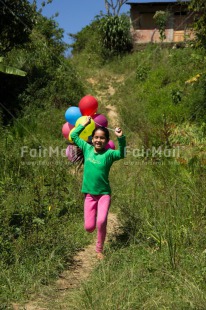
[75, 135]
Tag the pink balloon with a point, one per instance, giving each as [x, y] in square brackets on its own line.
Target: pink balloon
[100, 120]
[74, 153]
[66, 129]
[110, 145]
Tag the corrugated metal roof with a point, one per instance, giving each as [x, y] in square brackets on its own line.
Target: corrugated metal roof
[156, 1]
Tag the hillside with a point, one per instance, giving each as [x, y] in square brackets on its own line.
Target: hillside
[158, 260]
[159, 191]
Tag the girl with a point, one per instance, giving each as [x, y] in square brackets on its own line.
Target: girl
[95, 186]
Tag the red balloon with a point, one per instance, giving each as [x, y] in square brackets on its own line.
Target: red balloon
[88, 105]
[66, 130]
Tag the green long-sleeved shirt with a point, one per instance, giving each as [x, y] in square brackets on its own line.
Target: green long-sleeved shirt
[97, 165]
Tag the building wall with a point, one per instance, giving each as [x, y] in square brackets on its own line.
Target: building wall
[143, 26]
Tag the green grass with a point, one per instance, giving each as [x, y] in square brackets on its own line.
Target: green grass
[158, 262]
[41, 206]
[137, 278]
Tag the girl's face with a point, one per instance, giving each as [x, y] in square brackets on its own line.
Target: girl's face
[99, 140]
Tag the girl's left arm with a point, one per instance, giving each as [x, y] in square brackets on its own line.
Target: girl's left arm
[120, 153]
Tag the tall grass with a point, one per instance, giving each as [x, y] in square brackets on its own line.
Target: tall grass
[159, 260]
[41, 206]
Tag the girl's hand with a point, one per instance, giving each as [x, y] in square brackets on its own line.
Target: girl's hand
[88, 121]
[118, 132]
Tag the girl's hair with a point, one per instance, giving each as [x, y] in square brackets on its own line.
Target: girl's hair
[76, 154]
[104, 129]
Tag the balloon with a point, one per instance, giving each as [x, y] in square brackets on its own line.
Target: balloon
[110, 145]
[72, 114]
[88, 105]
[88, 129]
[69, 137]
[73, 153]
[100, 120]
[66, 129]
[83, 135]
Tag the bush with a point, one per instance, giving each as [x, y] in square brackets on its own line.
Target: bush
[199, 10]
[105, 37]
[115, 35]
[87, 39]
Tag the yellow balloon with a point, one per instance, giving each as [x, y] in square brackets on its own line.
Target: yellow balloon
[69, 138]
[88, 129]
[83, 135]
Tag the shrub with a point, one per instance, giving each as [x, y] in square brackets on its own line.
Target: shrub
[199, 7]
[161, 18]
[115, 35]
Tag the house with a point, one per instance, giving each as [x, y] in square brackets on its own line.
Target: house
[144, 29]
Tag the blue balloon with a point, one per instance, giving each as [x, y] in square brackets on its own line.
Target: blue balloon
[72, 114]
[90, 139]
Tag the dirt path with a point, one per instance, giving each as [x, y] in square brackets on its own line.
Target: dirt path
[112, 115]
[108, 92]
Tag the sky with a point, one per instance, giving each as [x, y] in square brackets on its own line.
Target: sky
[75, 14]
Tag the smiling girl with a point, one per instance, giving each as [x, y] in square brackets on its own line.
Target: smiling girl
[95, 185]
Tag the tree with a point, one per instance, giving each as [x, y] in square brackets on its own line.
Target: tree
[87, 39]
[113, 7]
[199, 8]
[115, 35]
[17, 18]
[161, 18]
[50, 79]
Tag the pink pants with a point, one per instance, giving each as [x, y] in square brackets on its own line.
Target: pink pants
[96, 209]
